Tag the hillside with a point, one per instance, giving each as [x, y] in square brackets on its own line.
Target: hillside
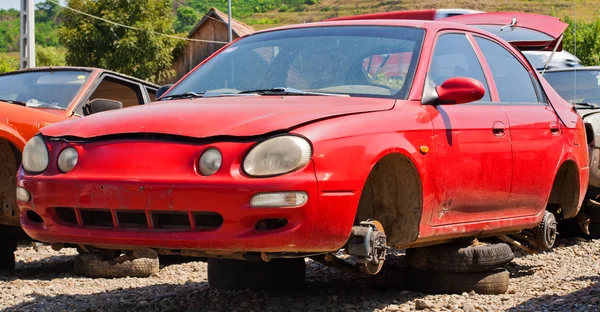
[586, 10]
[261, 14]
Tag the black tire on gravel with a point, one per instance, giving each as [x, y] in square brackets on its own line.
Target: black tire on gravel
[89, 265]
[594, 230]
[456, 258]
[7, 251]
[277, 274]
[495, 282]
[7, 260]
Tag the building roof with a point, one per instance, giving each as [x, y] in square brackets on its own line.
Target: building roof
[237, 27]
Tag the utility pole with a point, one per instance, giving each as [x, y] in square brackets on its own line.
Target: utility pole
[229, 23]
[27, 42]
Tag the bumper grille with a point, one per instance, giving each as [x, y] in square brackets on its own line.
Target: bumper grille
[139, 220]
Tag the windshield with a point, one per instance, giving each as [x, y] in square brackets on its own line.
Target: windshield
[375, 61]
[580, 86]
[48, 89]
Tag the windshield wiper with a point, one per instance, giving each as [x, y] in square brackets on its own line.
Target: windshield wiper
[186, 95]
[289, 91]
[584, 105]
[14, 102]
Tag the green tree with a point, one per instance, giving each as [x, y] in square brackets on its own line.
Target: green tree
[139, 53]
[587, 37]
[187, 18]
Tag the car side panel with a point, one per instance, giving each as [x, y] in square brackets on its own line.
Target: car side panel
[347, 148]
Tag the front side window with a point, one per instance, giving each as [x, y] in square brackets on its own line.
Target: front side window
[453, 56]
[372, 61]
[47, 89]
[513, 80]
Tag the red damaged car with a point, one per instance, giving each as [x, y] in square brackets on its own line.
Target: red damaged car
[289, 143]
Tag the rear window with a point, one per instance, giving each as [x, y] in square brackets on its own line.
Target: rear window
[516, 34]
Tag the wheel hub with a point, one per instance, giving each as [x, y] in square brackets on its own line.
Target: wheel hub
[546, 232]
[369, 245]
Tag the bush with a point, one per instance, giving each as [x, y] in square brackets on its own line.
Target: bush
[8, 63]
[49, 56]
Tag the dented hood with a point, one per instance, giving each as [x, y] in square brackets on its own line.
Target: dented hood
[207, 117]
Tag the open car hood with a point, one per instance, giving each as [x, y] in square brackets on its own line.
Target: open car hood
[525, 31]
[239, 116]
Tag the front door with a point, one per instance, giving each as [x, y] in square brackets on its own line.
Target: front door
[536, 135]
[472, 142]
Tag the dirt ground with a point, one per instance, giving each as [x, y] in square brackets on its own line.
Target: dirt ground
[564, 279]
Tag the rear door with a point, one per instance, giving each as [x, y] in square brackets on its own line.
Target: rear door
[535, 129]
[526, 32]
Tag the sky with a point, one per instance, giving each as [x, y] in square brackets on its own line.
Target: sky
[16, 4]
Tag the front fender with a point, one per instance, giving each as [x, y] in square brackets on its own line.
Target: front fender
[343, 163]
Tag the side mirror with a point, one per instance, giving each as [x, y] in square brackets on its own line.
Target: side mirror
[459, 90]
[162, 90]
[100, 105]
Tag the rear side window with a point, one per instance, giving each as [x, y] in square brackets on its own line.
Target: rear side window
[513, 80]
[454, 57]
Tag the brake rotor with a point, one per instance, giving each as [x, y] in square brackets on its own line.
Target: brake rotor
[373, 267]
[546, 234]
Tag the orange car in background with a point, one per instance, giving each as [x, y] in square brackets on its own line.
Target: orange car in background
[33, 98]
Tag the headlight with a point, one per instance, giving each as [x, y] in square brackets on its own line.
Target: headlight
[35, 155]
[210, 161]
[276, 156]
[67, 159]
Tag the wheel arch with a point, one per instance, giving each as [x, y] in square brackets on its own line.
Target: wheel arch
[13, 137]
[393, 194]
[11, 159]
[565, 192]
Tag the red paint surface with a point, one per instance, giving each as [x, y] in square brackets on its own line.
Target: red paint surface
[489, 168]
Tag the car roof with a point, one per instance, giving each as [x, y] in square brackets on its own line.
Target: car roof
[81, 68]
[432, 25]
[425, 24]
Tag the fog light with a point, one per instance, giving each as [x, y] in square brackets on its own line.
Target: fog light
[67, 159]
[279, 200]
[210, 161]
[23, 194]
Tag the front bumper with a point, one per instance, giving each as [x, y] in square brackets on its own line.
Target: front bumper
[175, 212]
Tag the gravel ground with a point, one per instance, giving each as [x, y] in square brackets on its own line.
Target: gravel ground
[565, 279]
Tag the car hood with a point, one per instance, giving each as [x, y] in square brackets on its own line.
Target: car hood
[19, 117]
[220, 116]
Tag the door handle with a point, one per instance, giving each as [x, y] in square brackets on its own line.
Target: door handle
[554, 128]
[498, 129]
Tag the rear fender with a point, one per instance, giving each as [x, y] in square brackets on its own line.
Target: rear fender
[578, 155]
